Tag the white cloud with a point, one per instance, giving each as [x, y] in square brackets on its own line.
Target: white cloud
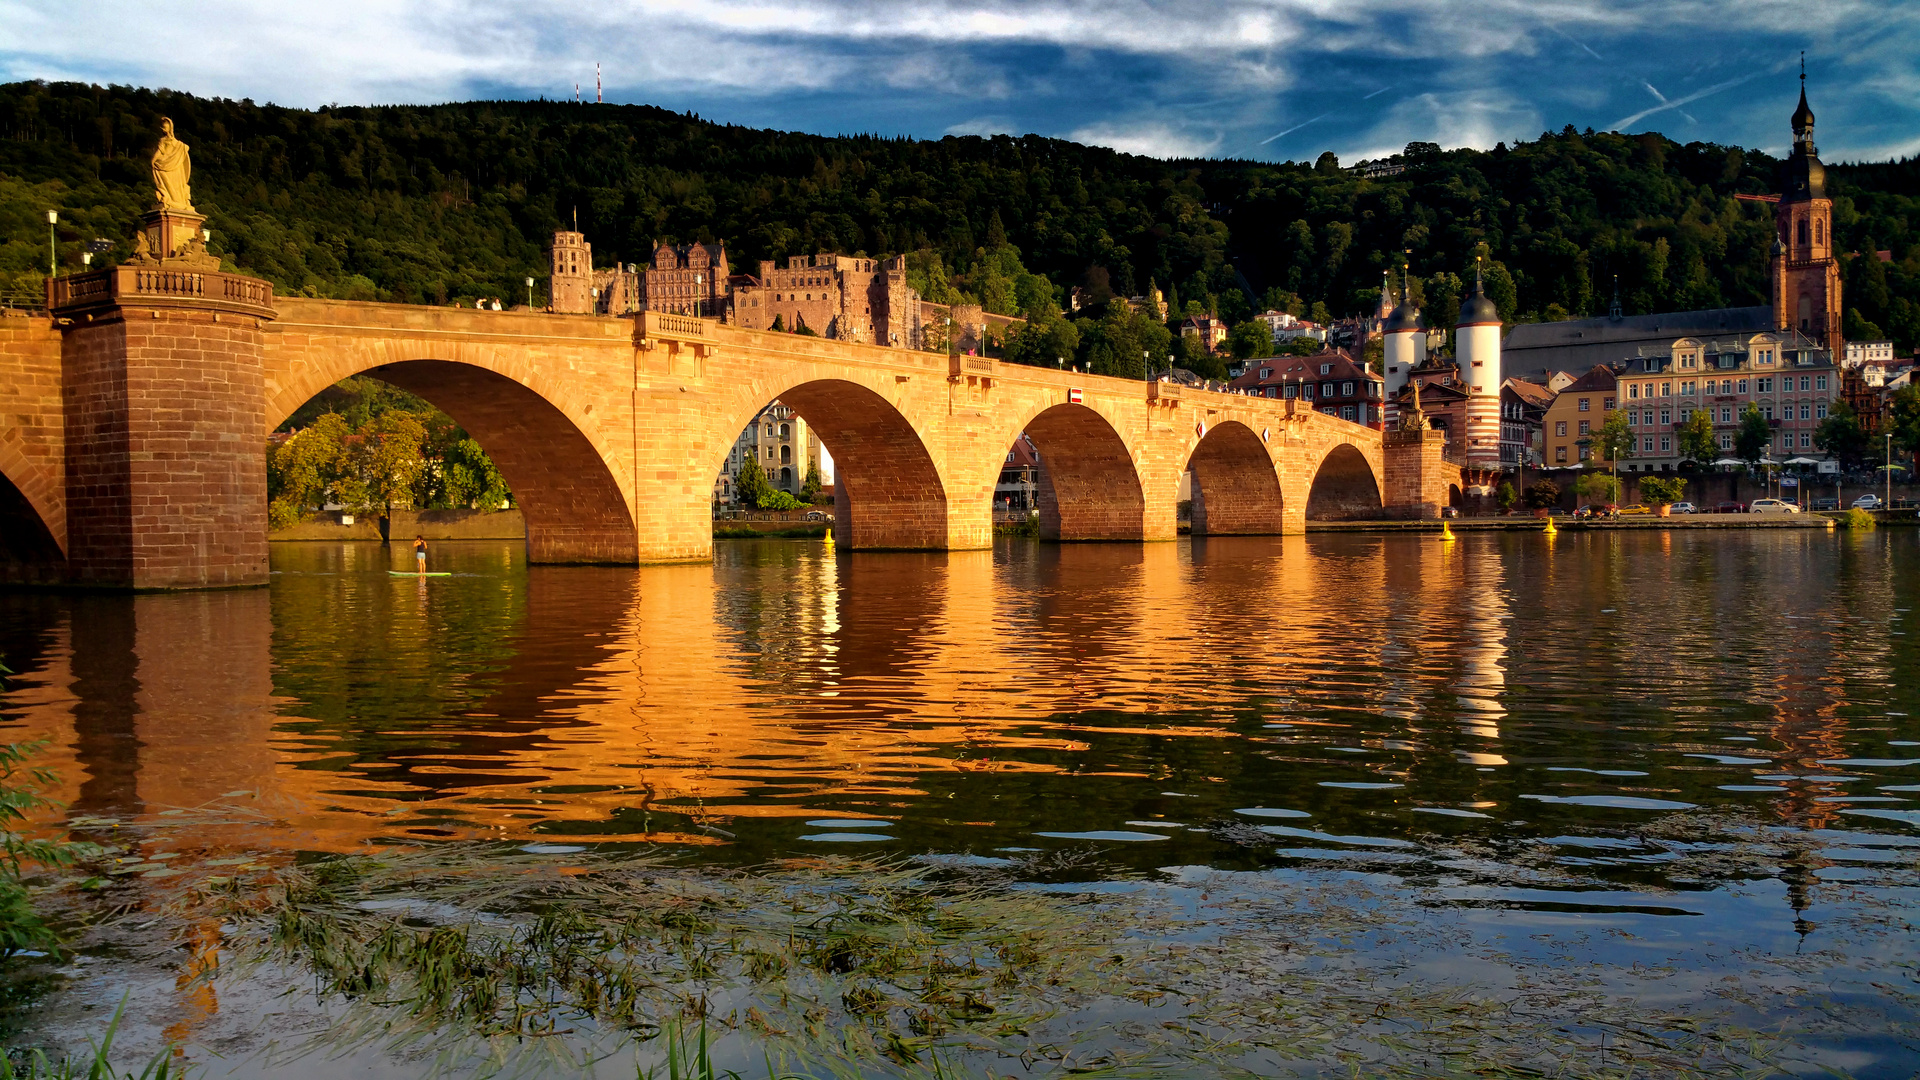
[1149, 139]
[1475, 118]
[979, 125]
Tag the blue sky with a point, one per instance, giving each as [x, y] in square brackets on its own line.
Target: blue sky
[1279, 79]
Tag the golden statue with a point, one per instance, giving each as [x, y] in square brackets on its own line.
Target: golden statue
[171, 171]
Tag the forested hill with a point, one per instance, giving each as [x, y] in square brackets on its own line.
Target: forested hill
[437, 203]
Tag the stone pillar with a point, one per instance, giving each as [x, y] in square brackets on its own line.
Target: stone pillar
[165, 415]
[1418, 473]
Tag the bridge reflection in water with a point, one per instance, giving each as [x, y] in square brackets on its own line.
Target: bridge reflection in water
[973, 697]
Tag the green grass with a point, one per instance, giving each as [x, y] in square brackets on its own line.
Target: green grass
[94, 1065]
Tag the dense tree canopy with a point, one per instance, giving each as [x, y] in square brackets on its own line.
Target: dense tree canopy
[438, 203]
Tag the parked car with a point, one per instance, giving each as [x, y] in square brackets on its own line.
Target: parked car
[1826, 504]
[1449, 511]
[1730, 508]
[1772, 506]
[817, 515]
[1556, 511]
[1869, 502]
[1592, 510]
[1684, 508]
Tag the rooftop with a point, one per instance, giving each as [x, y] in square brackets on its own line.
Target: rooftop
[1578, 344]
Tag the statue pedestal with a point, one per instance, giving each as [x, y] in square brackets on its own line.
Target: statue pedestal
[173, 237]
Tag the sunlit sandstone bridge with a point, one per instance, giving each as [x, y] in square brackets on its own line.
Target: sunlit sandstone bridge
[135, 415]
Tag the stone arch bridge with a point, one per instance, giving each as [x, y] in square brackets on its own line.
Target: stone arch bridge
[134, 417]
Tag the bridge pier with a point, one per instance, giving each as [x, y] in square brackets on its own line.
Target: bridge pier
[164, 406]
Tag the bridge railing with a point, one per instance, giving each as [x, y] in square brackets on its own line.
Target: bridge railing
[671, 327]
[133, 284]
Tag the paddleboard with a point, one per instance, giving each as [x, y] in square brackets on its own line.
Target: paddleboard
[416, 573]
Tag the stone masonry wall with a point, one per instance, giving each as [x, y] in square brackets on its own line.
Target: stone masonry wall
[165, 421]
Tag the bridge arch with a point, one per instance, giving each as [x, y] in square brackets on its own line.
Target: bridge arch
[1236, 490]
[30, 549]
[31, 500]
[887, 491]
[1344, 487]
[1089, 486]
[575, 506]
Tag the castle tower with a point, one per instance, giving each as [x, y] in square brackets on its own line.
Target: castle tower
[1477, 346]
[1806, 276]
[570, 289]
[1405, 348]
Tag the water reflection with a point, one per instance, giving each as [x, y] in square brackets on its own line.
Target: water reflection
[981, 700]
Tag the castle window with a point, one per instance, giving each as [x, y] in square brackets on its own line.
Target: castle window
[1819, 232]
[1803, 230]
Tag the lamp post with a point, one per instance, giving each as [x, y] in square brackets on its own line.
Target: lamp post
[529, 294]
[53, 257]
[1889, 505]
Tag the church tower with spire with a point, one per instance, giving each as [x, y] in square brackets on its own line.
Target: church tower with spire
[1805, 275]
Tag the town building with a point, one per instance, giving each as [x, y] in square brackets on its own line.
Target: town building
[1576, 412]
[843, 297]
[687, 279]
[1017, 492]
[1284, 328]
[1204, 330]
[570, 280]
[1404, 347]
[1443, 399]
[1523, 414]
[1477, 345]
[1784, 374]
[1868, 352]
[1334, 382]
[1803, 285]
[781, 442]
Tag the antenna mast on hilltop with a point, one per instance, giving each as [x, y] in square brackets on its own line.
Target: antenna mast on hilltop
[597, 99]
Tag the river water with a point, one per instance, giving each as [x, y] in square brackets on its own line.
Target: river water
[1586, 750]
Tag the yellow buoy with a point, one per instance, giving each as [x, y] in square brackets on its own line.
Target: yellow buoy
[1446, 531]
[1550, 530]
[829, 536]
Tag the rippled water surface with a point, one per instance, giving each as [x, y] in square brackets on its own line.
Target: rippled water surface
[1448, 717]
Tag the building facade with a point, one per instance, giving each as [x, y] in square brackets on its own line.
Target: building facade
[784, 446]
[687, 279]
[1788, 377]
[1805, 274]
[843, 297]
[1523, 414]
[1577, 411]
[1336, 383]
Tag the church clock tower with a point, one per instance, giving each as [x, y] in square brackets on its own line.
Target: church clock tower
[1806, 276]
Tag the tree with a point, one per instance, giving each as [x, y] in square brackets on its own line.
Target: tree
[1302, 346]
[1613, 440]
[750, 484]
[811, 485]
[1506, 496]
[1698, 443]
[1598, 487]
[1845, 437]
[1903, 418]
[1542, 494]
[1250, 339]
[1661, 490]
[304, 473]
[470, 479]
[1750, 442]
[386, 459]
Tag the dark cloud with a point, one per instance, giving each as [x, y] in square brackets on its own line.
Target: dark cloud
[1169, 77]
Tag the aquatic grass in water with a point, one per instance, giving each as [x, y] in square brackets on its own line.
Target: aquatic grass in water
[498, 960]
